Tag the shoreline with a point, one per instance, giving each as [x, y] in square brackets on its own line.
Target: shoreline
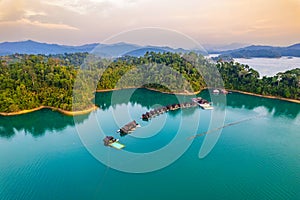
[266, 96]
[175, 93]
[86, 111]
[65, 112]
[153, 89]
[237, 91]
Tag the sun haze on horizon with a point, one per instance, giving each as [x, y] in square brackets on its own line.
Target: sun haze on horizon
[73, 22]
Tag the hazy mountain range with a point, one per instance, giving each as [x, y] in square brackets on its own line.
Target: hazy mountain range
[235, 50]
[256, 51]
[118, 49]
[216, 48]
[32, 47]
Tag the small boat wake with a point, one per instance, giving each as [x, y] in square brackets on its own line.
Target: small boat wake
[226, 125]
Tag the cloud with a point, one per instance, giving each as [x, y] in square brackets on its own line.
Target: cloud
[84, 7]
[27, 22]
[81, 7]
[22, 13]
[11, 10]
[31, 13]
[47, 25]
[206, 20]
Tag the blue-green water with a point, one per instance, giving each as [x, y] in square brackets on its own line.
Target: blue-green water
[42, 156]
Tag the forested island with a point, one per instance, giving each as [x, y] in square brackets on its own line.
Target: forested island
[32, 81]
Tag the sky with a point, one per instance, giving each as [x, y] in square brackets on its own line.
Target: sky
[75, 22]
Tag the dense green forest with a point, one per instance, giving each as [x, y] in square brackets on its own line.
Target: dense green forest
[241, 77]
[30, 81]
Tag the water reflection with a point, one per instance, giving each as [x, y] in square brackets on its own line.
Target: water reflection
[149, 99]
[36, 123]
[144, 97]
[275, 107]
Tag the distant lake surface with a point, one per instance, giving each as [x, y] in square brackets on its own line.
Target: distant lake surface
[271, 66]
[43, 157]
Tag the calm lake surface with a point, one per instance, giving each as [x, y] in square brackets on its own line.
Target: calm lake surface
[271, 66]
[43, 157]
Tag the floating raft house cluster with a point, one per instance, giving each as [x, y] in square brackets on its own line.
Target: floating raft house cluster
[131, 126]
[161, 110]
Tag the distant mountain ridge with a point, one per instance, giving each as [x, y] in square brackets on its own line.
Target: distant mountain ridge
[32, 47]
[216, 48]
[256, 51]
[120, 49]
[296, 46]
[113, 50]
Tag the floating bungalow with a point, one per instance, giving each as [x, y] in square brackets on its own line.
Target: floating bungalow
[129, 127]
[188, 105]
[146, 116]
[113, 142]
[175, 106]
[223, 91]
[109, 140]
[203, 103]
[218, 91]
[168, 107]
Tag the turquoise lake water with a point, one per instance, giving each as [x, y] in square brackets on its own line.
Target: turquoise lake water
[46, 155]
